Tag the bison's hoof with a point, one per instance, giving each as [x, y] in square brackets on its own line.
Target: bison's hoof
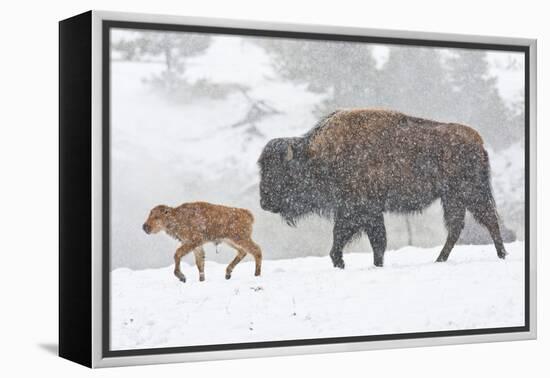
[182, 279]
[201, 278]
[379, 264]
[227, 276]
[441, 259]
[339, 264]
[502, 255]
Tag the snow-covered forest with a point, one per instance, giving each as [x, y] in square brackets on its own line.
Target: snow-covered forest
[192, 112]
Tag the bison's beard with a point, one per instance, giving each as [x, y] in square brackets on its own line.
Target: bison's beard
[290, 219]
[294, 210]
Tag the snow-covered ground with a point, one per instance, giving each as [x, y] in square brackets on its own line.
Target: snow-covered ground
[306, 298]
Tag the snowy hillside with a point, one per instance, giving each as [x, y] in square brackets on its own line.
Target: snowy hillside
[307, 298]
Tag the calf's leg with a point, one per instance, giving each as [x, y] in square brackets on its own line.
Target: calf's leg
[240, 255]
[180, 252]
[199, 260]
[244, 246]
[254, 249]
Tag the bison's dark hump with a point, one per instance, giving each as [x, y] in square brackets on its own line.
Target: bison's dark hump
[320, 124]
[342, 127]
[348, 129]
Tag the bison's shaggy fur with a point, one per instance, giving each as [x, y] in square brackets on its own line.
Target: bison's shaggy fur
[197, 223]
[356, 164]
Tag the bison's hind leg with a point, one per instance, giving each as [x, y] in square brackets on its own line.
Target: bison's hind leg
[484, 211]
[376, 231]
[454, 212]
[481, 203]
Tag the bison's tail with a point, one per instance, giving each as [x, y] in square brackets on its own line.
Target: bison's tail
[481, 197]
[486, 181]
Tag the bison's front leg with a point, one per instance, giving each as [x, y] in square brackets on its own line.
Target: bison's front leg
[344, 229]
[376, 231]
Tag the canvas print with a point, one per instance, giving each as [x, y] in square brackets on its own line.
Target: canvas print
[267, 189]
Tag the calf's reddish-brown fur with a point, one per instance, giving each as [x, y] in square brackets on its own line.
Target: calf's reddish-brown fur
[197, 223]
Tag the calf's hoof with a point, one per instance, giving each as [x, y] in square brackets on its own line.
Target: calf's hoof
[378, 264]
[502, 255]
[180, 276]
[201, 278]
[227, 276]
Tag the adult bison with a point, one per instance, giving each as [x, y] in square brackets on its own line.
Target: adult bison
[356, 164]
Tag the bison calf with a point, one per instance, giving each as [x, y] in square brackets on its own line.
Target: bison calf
[197, 223]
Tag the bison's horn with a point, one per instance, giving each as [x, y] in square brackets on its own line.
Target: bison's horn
[289, 153]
